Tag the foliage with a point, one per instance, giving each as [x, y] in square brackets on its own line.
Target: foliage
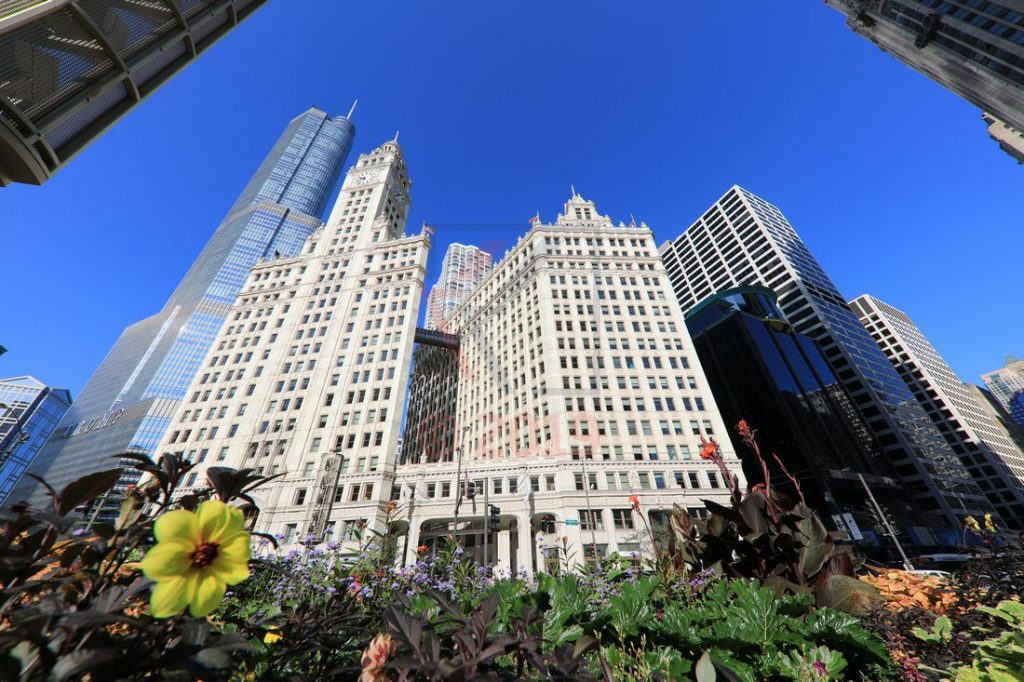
[72, 599]
[903, 590]
[1000, 658]
[765, 534]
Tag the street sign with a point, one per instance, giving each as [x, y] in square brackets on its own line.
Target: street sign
[572, 522]
[852, 525]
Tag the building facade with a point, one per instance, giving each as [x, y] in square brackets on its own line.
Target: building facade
[578, 387]
[433, 391]
[998, 413]
[761, 371]
[1007, 384]
[69, 70]
[975, 49]
[308, 376]
[128, 402]
[744, 240]
[1009, 139]
[29, 412]
[464, 267]
[992, 458]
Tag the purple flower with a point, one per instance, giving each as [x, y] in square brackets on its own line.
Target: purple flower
[78, 531]
[819, 668]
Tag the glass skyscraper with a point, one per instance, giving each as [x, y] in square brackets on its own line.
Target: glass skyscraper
[128, 402]
[29, 412]
[743, 240]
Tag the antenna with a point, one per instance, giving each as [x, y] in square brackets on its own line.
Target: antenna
[573, 188]
[396, 136]
[352, 110]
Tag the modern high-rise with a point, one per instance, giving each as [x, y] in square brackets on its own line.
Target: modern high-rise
[29, 412]
[464, 267]
[578, 387]
[1007, 384]
[999, 414]
[990, 455]
[128, 403]
[69, 70]
[763, 372]
[973, 47]
[743, 240]
[433, 390]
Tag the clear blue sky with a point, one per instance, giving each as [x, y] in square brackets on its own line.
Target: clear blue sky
[649, 108]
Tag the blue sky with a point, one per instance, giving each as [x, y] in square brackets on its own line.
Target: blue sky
[649, 108]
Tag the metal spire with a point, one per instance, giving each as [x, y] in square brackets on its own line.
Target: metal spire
[352, 110]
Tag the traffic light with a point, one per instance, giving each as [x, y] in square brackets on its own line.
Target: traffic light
[495, 513]
[470, 490]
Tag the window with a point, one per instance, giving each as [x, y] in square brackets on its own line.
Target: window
[290, 531]
[300, 496]
[591, 519]
[623, 519]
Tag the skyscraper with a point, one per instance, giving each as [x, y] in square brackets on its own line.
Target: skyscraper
[1009, 139]
[974, 48]
[70, 70]
[1007, 384]
[319, 397]
[579, 388]
[762, 371]
[433, 391]
[29, 412]
[743, 240]
[990, 455]
[464, 267]
[128, 402]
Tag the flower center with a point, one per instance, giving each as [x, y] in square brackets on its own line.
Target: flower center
[204, 554]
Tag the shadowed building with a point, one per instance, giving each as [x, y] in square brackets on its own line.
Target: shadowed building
[70, 69]
[973, 47]
[761, 371]
[128, 402]
[1007, 384]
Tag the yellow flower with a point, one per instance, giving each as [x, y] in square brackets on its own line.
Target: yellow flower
[271, 637]
[197, 555]
[972, 524]
[990, 525]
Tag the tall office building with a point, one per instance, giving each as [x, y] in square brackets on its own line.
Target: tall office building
[990, 455]
[69, 70]
[128, 402]
[308, 376]
[29, 412]
[1007, 384]
[998, 413]
[744, 240]
[579, 387]
[975, 49]
[464, 267]
[762, 371]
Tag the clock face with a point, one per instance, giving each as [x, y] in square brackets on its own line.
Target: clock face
[364, 178]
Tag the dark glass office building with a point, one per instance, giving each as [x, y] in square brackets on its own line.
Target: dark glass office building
[129, 401]
[70, 70]
[29, 412]
[778, 381]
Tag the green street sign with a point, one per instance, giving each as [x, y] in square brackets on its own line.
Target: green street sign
[572, 522]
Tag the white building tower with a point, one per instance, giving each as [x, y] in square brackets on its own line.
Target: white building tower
[464, 267]
[308, 375]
